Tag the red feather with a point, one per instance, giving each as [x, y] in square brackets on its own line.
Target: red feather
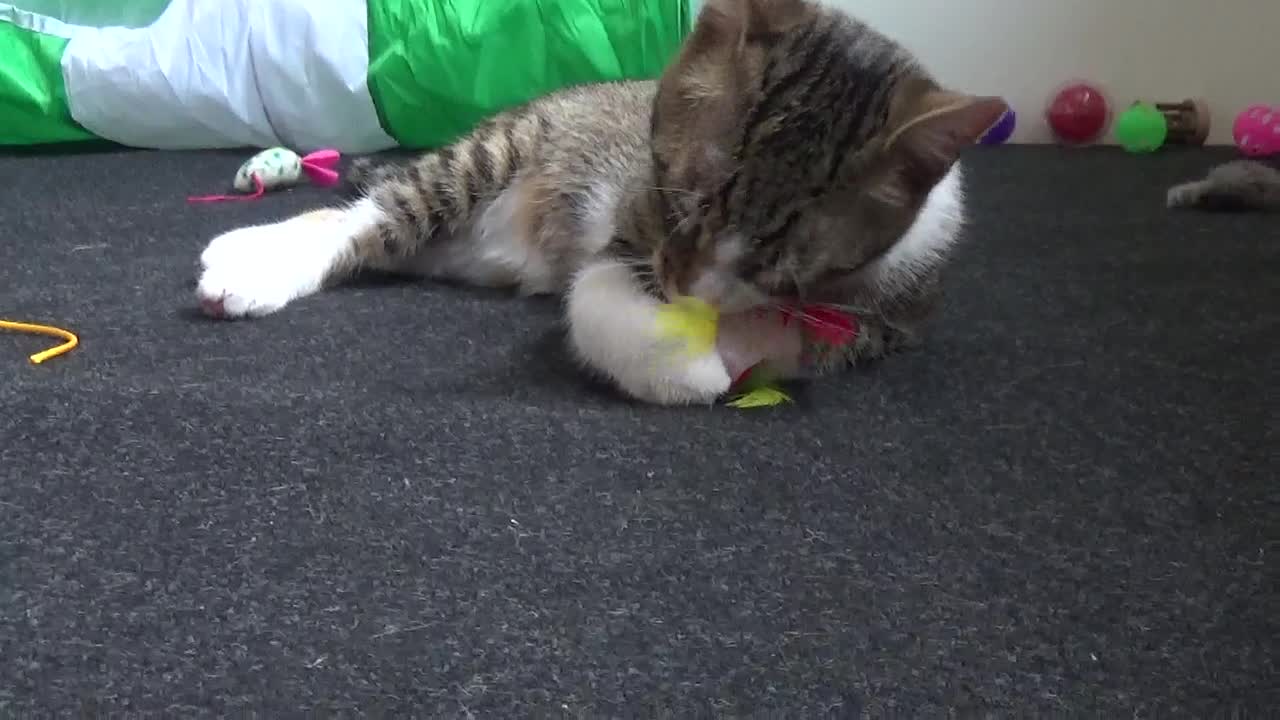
[830, 325]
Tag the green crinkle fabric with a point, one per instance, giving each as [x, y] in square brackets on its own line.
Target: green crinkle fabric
[33, 99]
[97, 13]
[438, 68]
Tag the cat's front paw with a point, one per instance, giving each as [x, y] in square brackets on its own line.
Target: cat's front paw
[614, 330]
[693, 381]
[257, 270]
[248, 272]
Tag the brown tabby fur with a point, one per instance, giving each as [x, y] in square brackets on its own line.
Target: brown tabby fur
[784, 123]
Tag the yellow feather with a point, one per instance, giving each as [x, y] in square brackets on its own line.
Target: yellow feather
[691, 322]
[766, 396]
[694, 324]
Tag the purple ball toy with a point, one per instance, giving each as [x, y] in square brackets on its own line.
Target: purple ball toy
[1002, 130]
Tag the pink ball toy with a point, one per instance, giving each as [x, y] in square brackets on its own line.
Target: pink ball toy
[1257, 131]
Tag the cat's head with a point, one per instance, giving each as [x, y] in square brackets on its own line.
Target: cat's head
[792, 146]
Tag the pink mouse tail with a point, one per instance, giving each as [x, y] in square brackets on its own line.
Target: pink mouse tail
[258, 190]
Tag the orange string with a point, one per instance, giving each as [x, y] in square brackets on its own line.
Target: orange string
[70, 337]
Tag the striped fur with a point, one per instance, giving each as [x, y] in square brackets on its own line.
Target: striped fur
[780, 136]
[788, 151]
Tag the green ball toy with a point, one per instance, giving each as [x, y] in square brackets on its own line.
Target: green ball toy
[1142, 128]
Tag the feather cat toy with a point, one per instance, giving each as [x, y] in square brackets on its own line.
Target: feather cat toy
[820, 330]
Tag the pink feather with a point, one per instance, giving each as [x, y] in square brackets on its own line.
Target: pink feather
[319, 166]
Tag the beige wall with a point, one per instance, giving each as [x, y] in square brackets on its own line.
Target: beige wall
[1226, 51]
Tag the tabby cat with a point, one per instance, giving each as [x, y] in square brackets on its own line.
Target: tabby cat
[788, 152]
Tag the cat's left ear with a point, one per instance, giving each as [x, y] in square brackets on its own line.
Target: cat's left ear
[938, 125]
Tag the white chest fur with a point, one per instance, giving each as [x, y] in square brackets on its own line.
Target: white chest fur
[929, 239]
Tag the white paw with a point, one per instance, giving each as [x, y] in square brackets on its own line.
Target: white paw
[613, 330]
[257, 270]
[697, 381]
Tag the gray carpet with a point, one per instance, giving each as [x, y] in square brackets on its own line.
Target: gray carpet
[402, 499]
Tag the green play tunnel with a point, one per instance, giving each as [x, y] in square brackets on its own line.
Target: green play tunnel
[358, 77]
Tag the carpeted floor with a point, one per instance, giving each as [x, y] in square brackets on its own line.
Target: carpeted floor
[402, 499]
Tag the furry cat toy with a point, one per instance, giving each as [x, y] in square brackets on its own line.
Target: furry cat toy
[1240, 185]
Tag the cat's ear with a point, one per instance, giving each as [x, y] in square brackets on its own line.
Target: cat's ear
[701, 94]
[730, 25]
[936, 126]
[725, 49]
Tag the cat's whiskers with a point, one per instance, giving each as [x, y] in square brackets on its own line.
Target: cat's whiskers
[795, 280]
[666, 189]
[800, 314]
[791, 310]
[874, 309]
[636, 264]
